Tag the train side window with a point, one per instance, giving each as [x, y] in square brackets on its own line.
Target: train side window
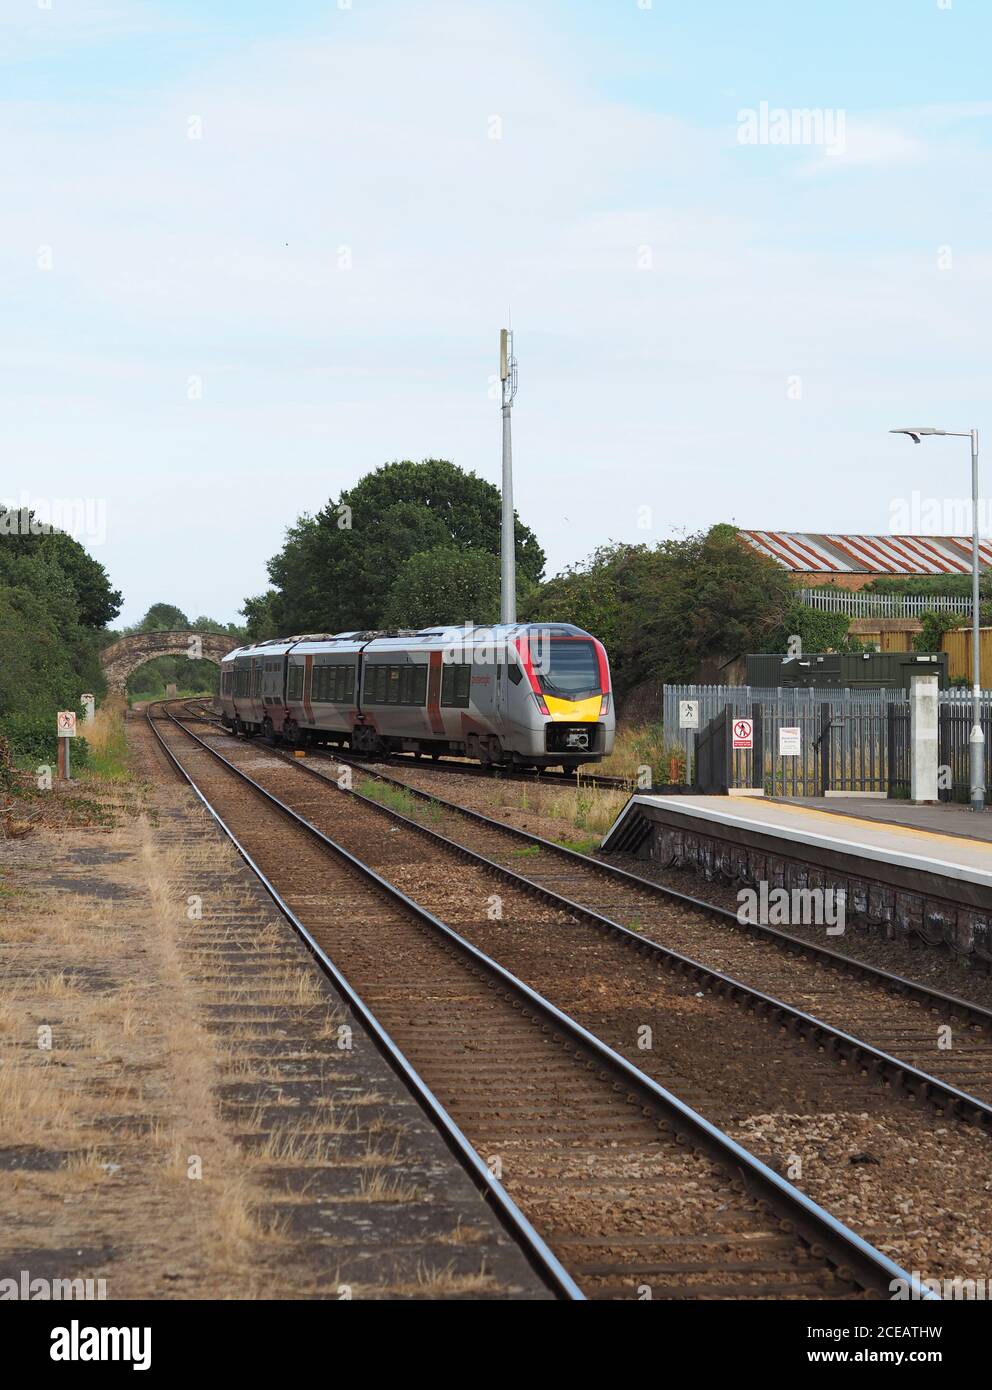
[456, 683]
[375, 685]
[294, 683]
[419, 695]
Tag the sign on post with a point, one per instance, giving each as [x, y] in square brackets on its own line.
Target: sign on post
[688, 714]
[790, 742]
[743, 733]
[65, 726]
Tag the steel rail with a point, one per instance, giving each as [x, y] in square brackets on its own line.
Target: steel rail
[822, 1232]
[535, 1249]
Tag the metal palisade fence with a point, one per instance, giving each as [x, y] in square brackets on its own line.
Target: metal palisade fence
[806, 742]
[859, 605]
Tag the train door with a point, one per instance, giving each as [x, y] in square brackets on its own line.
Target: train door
[500, 692]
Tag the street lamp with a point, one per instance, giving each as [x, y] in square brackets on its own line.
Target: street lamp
[977, 739]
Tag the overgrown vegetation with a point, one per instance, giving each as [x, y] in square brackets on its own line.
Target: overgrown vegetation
[55, 602]
[934, 627]
[818, 631]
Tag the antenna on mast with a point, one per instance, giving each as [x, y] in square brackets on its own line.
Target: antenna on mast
[508, 554]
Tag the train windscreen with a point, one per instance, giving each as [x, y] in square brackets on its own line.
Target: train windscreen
[568, 670]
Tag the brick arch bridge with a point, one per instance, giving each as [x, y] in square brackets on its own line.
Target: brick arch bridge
[125, 655]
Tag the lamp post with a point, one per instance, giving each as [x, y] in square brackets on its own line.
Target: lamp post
[976, 742]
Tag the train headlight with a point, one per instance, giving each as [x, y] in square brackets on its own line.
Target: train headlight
[542, 706]
[604, 706]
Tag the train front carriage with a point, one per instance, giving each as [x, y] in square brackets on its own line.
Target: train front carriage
[559, 698]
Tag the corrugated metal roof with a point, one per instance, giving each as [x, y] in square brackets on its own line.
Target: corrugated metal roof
[813, 553]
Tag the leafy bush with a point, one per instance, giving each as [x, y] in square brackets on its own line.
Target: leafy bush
[934, 627]
[819, 632]
[32, 735]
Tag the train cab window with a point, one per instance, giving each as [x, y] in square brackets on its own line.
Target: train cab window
[514, 672]
[456, 684]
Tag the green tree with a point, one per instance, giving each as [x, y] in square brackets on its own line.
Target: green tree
[163, 617]
[260, 619]
[47, 635]
[445, 585]
[96, 603]
[336, 570]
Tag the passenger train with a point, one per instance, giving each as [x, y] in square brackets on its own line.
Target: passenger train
[525, 695]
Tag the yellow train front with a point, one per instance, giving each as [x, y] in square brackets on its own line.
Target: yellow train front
[526, 695]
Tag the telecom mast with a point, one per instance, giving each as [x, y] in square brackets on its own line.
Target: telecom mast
[508, 554]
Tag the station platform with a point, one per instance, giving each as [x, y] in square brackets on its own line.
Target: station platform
[944, 818]
[897, 872]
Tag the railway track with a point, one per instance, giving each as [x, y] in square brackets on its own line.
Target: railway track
[902, 1019]
[630, 1189]
[894, 1014]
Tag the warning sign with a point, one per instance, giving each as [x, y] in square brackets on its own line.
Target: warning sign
[688, 714]
[66, 723]
[743, 733]
[790, 742]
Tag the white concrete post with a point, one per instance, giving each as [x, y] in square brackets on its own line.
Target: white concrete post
[923, 711]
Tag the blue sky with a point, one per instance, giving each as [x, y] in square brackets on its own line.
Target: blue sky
[212, 335]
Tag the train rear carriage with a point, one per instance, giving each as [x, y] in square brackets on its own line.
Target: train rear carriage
[251, 688]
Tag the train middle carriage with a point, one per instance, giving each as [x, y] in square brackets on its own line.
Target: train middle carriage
[528, 694]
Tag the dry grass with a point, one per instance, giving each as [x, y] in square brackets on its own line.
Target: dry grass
[587, 809]
[640, 747]
[105, 728]
[37, 1106]
[378, 1186]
